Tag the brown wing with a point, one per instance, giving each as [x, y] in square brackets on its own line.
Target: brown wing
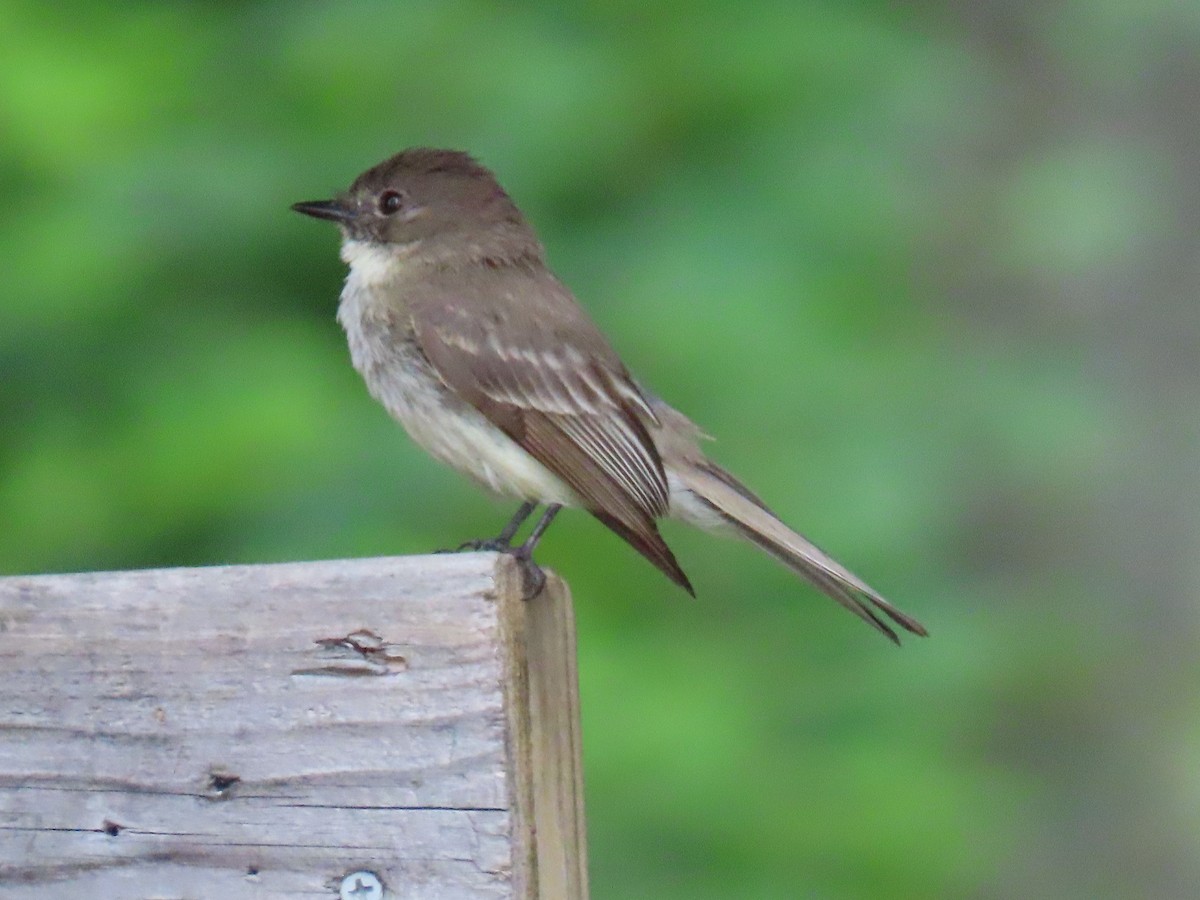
[515, 345]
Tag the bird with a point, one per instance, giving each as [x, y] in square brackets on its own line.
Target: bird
[467, 338]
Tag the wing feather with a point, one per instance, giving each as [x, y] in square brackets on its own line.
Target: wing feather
[518, 348]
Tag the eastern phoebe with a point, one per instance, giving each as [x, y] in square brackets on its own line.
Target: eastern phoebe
[467, 338]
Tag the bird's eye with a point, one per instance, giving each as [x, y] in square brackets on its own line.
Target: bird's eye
[390, 202]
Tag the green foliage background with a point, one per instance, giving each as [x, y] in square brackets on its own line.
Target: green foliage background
[927, 271]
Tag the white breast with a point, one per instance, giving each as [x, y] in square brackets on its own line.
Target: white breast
[398, 376]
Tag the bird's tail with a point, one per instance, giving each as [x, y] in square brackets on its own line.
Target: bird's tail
[749, 516]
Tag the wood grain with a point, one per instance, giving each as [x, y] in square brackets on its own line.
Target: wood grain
[545, 737]
[262, 731]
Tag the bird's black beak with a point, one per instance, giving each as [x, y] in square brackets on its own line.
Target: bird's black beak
[333, 210]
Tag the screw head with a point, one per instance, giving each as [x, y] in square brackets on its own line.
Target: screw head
[361, 886]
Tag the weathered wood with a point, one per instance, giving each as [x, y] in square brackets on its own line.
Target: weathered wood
[264, 731]
[545, 726]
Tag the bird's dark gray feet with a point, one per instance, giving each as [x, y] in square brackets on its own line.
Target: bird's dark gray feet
[501, 543]
[493, 544]
[533, 579]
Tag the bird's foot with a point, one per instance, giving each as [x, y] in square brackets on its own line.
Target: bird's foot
[495, 545]
[533, 579]
[501, 543]
[481, 544]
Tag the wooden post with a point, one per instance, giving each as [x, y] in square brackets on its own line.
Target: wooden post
[399, 728]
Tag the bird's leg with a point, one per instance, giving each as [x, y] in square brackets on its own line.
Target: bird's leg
[503, 541]
[539, 529]
[533, 577]
[514, 524]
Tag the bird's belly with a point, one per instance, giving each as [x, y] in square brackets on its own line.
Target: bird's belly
[443, 424]
[464, 440]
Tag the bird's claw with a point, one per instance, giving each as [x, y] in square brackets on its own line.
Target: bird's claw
[493, 544]
[533, 579]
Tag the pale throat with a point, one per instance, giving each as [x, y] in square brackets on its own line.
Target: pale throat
[372, 263]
